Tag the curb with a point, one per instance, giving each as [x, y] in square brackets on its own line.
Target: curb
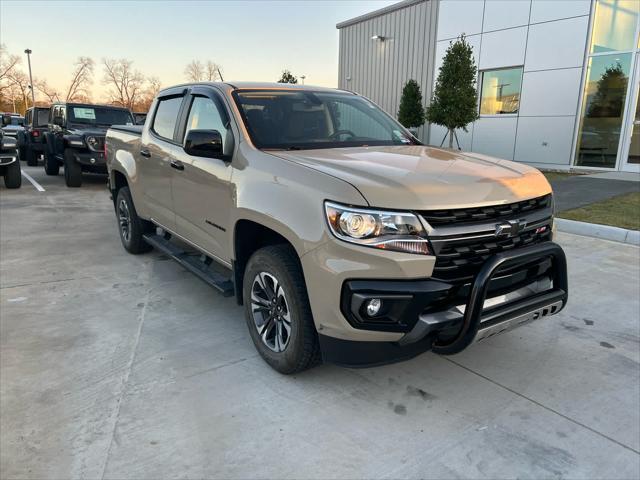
[606, 232]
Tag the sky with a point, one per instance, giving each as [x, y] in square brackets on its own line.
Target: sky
[251, 40]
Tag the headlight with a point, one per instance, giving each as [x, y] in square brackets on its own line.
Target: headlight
[397, 231]
[76, 142]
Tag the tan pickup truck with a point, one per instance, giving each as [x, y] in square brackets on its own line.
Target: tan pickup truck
[342, 235]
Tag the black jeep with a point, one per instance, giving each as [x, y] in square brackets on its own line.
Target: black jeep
[76, 138]
[31, 139]
[9, 164]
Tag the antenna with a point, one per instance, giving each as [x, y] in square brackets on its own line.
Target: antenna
[220, 73]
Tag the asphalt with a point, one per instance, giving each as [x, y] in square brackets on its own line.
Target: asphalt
[121, 366]
[581, 190]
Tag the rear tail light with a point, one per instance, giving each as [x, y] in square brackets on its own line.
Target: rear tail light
[35, 134]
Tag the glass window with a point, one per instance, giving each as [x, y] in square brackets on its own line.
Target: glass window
[166, 117]
[41, 118]
[603, 109]
[500, 93]
[298, 120]
[104, 116]
[204, 115]
[614, 25]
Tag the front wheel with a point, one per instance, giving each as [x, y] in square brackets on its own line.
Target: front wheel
[277, 310]
[31, 158]
[130, 225]
[51, 165]
[12, 175]
[72, 170]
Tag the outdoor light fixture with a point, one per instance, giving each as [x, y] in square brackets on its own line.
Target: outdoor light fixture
[379, 37]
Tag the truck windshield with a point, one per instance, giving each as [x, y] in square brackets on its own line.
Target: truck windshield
[304, 119]
[99, 115]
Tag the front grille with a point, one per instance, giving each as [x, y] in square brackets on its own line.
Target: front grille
[458, 261]
[461, 216]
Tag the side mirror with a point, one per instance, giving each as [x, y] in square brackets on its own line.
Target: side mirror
[57, 121]
[204, 143]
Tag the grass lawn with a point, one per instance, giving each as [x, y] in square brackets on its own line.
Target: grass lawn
[621, 211]
[552, 176]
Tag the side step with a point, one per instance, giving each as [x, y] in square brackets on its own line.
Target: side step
[193, 263]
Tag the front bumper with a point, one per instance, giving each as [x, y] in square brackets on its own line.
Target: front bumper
[512, 288]
[8, 158]
[91, 161]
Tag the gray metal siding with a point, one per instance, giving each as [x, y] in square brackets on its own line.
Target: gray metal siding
[378, 70]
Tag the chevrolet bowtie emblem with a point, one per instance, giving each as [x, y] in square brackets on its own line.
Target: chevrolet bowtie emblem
[510, 228]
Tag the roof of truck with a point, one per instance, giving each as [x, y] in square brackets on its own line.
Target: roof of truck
[258, 85]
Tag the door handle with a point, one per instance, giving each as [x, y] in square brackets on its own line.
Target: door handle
[145, 153]
[178, 165]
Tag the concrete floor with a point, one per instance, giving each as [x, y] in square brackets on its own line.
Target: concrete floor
[121, 366]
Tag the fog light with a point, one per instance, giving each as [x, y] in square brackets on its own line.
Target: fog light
[373, 306]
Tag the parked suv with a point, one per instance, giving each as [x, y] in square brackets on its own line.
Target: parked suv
[76, 138]
[31, 139]
[343, 236]
[12, 123]
[9, 163]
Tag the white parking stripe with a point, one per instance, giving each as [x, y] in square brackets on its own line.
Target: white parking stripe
[33, 182]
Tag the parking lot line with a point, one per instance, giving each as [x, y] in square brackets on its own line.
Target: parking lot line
[33, 182]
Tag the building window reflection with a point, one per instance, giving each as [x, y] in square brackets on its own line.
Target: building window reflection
[614, 25]
[500, 92]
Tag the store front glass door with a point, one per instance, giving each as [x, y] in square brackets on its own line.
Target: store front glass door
[631, 152]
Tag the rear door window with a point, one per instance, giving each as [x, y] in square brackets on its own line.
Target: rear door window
[42, 118]
[166, 117]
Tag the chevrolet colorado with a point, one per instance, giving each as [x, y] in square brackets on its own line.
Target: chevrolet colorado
[345, 238]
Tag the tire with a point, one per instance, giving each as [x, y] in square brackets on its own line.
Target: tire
[51, 165]
[12, 175]
[72, 170]
[22, 153]
[130, 226]
[285, 351]
[31, 158]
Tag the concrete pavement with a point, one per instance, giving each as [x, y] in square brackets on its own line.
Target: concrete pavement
[121, 366]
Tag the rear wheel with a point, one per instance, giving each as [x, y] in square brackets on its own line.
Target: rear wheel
[130, 226]
[51, 165]
[277, 310]
[12, 175]
[72, 170]
[22, 153]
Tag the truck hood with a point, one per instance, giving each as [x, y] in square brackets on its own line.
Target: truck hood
[424, 178]
[89, 130]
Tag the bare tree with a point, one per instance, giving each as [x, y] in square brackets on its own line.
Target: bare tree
[194, 71]
[50, 92]
[81, 79]
[20, 81]
[8, 66]
[151, 90]
[126, 84]
[212, 71]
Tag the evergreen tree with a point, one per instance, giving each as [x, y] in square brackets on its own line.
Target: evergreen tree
[411, 112]
[287, 77]
[455, 98]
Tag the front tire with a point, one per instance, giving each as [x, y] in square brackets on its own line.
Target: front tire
[72, 170]
[130, 225]
[51, 165]
[12, 175]
[277, 310]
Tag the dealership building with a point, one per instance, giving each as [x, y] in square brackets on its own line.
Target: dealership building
[557, 80]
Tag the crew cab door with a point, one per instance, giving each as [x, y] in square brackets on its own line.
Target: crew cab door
[202, 190]
[157, 158]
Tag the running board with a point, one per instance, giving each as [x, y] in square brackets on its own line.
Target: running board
[193, 263]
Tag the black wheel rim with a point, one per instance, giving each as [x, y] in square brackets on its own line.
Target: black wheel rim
[124, 218]
[270, 312]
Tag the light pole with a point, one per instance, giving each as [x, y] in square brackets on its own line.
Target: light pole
[303, 77]
[33, 95]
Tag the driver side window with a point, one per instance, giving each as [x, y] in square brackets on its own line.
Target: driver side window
[204, 115]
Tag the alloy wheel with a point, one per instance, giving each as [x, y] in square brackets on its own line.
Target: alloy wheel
[124, 218]
[270, 311]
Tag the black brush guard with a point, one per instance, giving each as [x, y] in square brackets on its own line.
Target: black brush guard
[477, 318]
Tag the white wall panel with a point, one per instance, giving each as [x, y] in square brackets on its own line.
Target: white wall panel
[546, 10]
[550, 92]
[499, 14]
[504, 48]
[545, 140]
[559, 44]
[495, 136]
[459, 16]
